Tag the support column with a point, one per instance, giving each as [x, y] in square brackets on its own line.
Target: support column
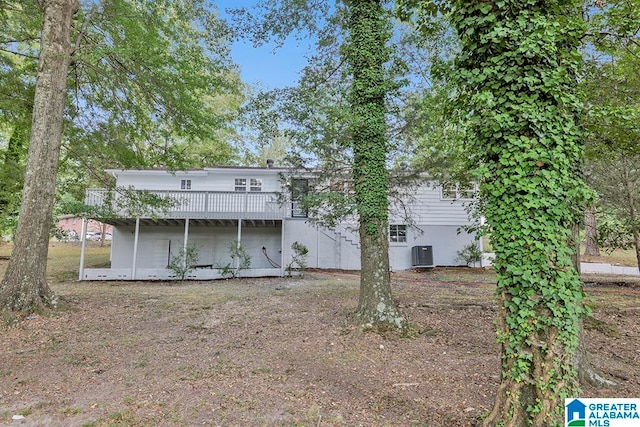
[481, 245]
[186, 242]
[283, 249]
[236, 262]
[82, 248]
[135, 249]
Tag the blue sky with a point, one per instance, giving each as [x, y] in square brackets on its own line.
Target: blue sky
[263, 66]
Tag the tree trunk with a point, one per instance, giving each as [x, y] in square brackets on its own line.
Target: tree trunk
[591, 233]
[376, 305]
[550, 365]
[586, 373]
[530, 196]
[636, 244]
[575, 244]
[629, 187]
[103, 234]
[24, 287]
[585, 370]
[367, 53]
[12, 169]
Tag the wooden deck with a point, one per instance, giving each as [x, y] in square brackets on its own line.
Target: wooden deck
[190, 204]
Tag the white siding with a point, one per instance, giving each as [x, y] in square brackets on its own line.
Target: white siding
[445, 241]
[212, 242]
[332, 250]
[428, 208]
[204, 180]
[437, 223]
[327, 249]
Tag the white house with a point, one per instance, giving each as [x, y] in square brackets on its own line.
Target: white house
[215, 207]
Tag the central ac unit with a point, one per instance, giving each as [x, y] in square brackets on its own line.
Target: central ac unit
[422, 256]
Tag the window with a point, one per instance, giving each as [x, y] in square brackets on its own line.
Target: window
[467, 192]
[299, 190]
[397, 233]
[241, 184]
[458, 191]
[449, 192]
[185, 184]
[255, 184]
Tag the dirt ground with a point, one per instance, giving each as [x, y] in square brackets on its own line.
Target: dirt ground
[278, 352]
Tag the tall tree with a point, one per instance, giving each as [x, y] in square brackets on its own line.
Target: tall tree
[591, 247]
[517, 72]
[24, 287]
[612, 88]
[17, 81]
[616, 178]
[338, 115]
[12, 165]
[146, 80]
[367, 52]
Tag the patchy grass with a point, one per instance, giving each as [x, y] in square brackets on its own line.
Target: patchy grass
[63, 261]
[277, 352]
[461, 274]
[622, 257]
[626, 257]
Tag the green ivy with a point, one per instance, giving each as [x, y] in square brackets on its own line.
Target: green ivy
[366, 52]
[517, 73]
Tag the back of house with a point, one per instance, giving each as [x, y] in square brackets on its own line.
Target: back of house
[223, 214]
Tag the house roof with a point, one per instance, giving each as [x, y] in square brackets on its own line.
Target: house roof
[192, 172]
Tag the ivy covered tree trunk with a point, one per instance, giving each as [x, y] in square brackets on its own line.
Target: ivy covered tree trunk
[366, 54]
[24, 287]
[517, 73]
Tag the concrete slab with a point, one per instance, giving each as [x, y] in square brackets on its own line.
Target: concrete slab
[586, 267]
[602, 268]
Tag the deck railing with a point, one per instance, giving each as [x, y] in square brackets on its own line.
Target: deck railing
[181, 204]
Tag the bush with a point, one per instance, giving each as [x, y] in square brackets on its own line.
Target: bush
[469, 254]
[240, 260]
[298, 259]
[185, 261]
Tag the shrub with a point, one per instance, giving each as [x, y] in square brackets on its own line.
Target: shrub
[240, 260]
[470, 254]
[298, 259]
[185, 261]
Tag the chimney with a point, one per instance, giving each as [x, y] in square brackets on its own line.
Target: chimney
[269, 163]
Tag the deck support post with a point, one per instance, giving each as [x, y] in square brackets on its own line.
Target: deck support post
[186, 241]
[135, 249]
[83, 239]
[282, 249]
[236, 261]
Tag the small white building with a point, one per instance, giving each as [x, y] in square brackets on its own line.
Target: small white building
[215, 207]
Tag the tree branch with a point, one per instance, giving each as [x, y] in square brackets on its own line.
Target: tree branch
[24, 55]
[29, 39]
[83, 29]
